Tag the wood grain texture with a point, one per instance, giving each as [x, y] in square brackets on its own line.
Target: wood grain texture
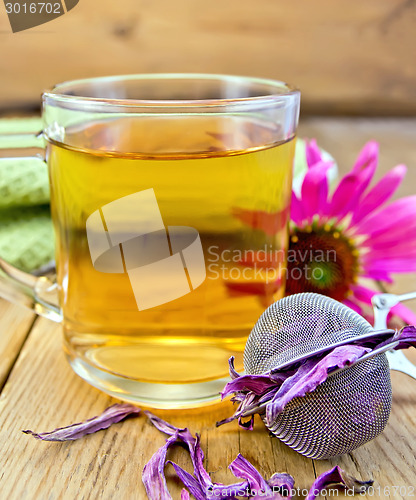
[15, 323]
[42, 393]
[347, 57]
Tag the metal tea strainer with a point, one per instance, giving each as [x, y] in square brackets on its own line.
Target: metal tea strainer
[352, 406]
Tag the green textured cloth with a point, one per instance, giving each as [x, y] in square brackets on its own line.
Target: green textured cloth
[23, 183]
[26, 235]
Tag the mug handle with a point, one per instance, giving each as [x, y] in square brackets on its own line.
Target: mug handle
[37, 293]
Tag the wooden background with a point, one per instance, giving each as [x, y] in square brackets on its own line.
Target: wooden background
[347, 56]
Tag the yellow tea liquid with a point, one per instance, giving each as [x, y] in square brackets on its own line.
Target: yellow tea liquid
[216, 177]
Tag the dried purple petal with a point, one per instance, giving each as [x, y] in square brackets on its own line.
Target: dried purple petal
[199, 484]
[189, 481]
[283, 483]
[257, 384]
[406, 337]
[229, 491]
[337, 476]
[233, 372]
[246, 424]
[243, 469]
[110, 416]
[247, 402]
[153, 476]
[309, 375]
[193, 444]
[255, 486]
[162, 425]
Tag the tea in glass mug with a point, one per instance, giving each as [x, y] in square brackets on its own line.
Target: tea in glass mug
[170, 199]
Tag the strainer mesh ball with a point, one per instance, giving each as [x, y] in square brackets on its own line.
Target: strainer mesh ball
[351, 407]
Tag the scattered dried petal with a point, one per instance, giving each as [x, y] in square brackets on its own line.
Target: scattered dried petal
[110, 416]
[284, 482]
[243, 469]
[193, 444]
[153, 476]
[253, 486]
[189, 481]
[337, 476]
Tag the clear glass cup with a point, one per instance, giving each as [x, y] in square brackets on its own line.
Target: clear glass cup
[170, 199]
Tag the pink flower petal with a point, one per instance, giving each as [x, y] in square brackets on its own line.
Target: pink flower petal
[367, 159]
[352, 186]
[315, 190]
[391, 240]
[380, 193]
[347, 194]
[399, 265]
[376, 275]
[405, 314]
[398, 251]
[399, 213]
[313, 153]
[363, 294]
[392, 236]
[297, 212]
[352, 305]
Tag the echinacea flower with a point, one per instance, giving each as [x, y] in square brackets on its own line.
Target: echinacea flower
[338, 239]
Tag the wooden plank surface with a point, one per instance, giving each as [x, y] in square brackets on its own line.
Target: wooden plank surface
[15, 325]
[42, 393]
[349, 57]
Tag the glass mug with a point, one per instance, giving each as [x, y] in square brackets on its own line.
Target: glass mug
[170, 199]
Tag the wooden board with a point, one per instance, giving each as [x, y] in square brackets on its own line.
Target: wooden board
[15, 326]
[347, 57]
[43, 393]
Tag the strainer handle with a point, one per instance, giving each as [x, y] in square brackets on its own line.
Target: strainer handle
[258, 408]
[340, 343]
[369, 355]
[382, 304]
